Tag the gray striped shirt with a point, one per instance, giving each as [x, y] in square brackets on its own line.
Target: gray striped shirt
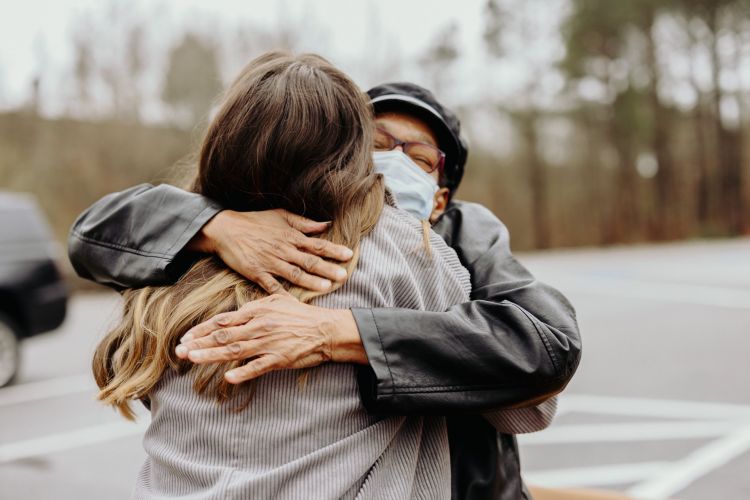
[317, 441]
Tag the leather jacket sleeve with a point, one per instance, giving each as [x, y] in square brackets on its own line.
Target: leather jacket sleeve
[515, 344]
[134, 237]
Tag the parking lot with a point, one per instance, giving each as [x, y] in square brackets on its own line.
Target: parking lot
[660, 407]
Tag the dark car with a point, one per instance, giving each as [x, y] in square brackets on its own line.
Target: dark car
[33, 297]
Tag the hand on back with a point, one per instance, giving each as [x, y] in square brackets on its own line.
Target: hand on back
[274, 333]
[264, 246]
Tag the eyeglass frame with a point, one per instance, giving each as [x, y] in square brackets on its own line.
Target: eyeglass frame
[405, 144]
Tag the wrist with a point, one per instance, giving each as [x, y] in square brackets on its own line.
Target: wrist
[205, 241]
[344, 341]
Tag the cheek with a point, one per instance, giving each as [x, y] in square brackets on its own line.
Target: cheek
[441, 198]
[437, 200]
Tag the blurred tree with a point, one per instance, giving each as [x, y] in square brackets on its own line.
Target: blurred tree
[501, 18]
[613, 45]
[706, 195]
[192, 79]
[717, 19]
[616, 44]
[83, 68]
[594, 37]
[41, 72]
[439, 58]
[135, 67]
[108, 63]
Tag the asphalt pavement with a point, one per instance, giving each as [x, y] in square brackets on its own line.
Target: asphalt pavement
[659, 408]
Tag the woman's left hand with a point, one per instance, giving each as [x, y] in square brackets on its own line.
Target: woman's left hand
[276, 333]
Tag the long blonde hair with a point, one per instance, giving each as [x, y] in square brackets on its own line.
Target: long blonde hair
[292, 132]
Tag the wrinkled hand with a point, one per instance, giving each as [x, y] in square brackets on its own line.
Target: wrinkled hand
[277, 332]
[261, 245]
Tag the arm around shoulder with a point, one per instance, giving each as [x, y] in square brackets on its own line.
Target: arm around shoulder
[515, 343]
[135, 237]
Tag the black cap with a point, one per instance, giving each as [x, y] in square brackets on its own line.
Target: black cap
[417, 101]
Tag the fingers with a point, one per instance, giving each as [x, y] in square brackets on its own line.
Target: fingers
[317, 266]
[234, 351]
[268, 283]
[218, 338]
[251, 370]
[303, 224]
[232, 318]
[324, 248]
[225, 321]
[295, 275]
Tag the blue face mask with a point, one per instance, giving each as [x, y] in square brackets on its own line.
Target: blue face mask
[413, 188]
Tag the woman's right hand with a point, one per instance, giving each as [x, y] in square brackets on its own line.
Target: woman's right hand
[273, 243]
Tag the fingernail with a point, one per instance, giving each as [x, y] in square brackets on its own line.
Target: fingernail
[347, 253]
[194, 355]
[325, 284]
[231, 375]
[186, 338]
[340, 273]
[181, 350]
[328, 223]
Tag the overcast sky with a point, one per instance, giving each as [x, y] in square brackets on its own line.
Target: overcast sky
[354, 34]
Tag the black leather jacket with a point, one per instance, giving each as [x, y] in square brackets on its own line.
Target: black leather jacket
[515, 344]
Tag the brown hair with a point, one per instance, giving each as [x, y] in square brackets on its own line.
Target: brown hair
[292, 132]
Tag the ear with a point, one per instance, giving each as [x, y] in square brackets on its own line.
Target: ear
[440, 201]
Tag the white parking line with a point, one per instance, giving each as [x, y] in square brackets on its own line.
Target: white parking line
[628, 432]
[603, 475]
[699, 463]
[68, 440]
[712, 296]
[45, 389]
[658, 408]
[730, 423]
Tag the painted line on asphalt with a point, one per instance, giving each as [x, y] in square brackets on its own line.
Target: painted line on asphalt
[46, 389]
[68, 440]
[628, 432]
[697, 464]
[603, 475]
[712, 296]
[659, 408]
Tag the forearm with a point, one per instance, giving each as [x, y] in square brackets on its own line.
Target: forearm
[516, 343]
[461, 362]
[136, 237]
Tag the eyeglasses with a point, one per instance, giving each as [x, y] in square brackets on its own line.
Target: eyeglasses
[426, 156]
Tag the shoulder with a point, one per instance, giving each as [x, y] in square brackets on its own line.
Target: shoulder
[465, 213]
[472, 229]
[468, 207]
[396, 252]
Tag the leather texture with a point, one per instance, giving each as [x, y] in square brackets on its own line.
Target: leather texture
[515, 344]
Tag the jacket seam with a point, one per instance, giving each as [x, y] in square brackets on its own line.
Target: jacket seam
[461, 388]
[382, 348]
[115, 246]
[543, 338]
[187, 227]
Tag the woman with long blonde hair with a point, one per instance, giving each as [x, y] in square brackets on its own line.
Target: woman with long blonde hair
[294, 133]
